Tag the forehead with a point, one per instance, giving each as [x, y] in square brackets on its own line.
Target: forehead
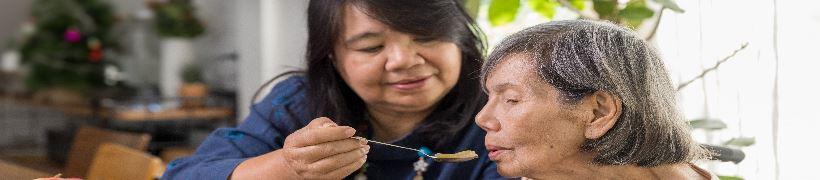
[355, 21]
[513, 69]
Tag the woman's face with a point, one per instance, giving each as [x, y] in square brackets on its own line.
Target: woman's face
[528, 128]
[394, 70]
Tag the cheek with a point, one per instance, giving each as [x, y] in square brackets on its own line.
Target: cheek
[545, 136]
[446, 58]
[362, 74]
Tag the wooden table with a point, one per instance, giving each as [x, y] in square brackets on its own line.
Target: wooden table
[173, 114]
[83, 110]
[9, 170]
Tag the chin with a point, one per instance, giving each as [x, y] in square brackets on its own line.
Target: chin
[417, 102]
[415, 106]
[507, 170]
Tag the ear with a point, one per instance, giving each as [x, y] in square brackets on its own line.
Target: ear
[607, 109]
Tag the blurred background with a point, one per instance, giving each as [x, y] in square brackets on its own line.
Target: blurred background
[157, 76]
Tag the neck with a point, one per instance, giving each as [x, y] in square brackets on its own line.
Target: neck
[390, 125]
[580, 167]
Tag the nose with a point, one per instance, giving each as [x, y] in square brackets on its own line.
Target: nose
[402, 55]
[486, 119]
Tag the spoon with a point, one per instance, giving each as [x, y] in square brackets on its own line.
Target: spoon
[438, 157]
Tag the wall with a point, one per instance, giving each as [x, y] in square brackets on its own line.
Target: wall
[14, 13]
[272, 37]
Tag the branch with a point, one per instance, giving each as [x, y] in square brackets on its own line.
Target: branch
[657, 24]
[76, 11]
[569, 6]
[703, 73]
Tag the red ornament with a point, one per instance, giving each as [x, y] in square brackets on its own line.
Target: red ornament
[95, 55]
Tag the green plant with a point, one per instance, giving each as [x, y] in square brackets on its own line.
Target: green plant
[192, 73]
[176, 18]
[631, 14]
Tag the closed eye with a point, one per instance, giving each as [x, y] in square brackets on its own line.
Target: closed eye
[511, 101]
[373, 49]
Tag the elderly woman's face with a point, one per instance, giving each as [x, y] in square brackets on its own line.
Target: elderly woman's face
[391, 69]
[528, 128]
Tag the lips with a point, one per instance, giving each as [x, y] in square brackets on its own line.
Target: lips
[495, 152]
[409, 84]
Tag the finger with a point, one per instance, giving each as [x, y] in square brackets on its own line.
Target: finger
[308, 137]
[346, 170]
[317, 152]
[321, 122]
[315, 123]
[334, 162]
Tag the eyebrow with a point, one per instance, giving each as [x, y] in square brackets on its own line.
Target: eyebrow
[361, 36]
[502, 86]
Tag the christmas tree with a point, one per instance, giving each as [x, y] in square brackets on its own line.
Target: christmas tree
[69, 45]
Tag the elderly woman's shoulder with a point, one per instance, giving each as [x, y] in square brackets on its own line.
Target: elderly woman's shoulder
[702, 172]
[682, 171]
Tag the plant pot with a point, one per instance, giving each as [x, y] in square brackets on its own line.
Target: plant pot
[175, 54]
[193, 94]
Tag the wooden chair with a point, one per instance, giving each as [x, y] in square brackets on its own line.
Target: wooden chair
[114, 161]
[171, 153]
[89, 138]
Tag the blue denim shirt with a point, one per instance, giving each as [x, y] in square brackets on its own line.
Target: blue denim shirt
[283, 111]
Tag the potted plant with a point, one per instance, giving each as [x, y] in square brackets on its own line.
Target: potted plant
[193, 91]
[177, 25]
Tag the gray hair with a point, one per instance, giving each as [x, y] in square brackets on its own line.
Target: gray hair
[579, 57]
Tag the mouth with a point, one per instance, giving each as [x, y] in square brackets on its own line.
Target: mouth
[410, 84]
[496, 152]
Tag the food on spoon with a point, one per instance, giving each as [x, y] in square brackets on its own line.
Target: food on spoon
[457, 157]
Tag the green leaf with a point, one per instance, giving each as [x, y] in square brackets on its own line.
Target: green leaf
[472, 7]
[545, 8]
[503, 11]
[730, 178]
[636, 10]
[578, 4]
[740, 142]
[632, 24]
[707, 124]
[605, 8]
[671, 5]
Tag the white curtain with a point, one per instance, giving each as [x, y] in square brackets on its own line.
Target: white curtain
[766, 91]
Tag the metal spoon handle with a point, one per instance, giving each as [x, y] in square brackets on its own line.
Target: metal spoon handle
[392, 145]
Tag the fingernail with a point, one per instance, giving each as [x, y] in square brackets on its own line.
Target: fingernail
[350, 132]
[328, 125]
[362, 141]
[366, 149]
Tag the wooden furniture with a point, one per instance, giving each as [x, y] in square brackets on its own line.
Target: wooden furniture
[85, 110]
[10, 170]
[173, 114]
[173, 153]
[114, 161]
[89, 138]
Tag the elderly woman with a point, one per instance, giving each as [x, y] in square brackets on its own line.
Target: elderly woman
[584, 100]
